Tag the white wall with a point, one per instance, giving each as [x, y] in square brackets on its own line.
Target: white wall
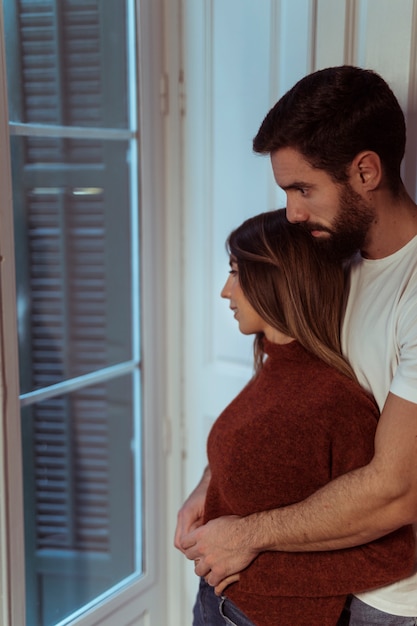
[239, 57]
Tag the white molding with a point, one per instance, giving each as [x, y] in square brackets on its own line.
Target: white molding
[351, 32]
[197, 213]
[274, 30]
[11, 493]
[174, 302]
[332, 33]
[410, 161]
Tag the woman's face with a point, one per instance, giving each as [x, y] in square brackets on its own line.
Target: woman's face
[250, 322]
[248, 319]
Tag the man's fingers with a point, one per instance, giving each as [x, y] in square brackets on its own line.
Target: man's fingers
[215, 579]
[180, 540]
[188, 540]
[200, 568]
[218, 590]
[192, 553]
[177, 538]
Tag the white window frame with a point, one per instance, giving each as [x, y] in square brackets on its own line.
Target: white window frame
[132, 601]
[11, 498]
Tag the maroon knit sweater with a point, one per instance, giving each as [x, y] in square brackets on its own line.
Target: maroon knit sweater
[292, 429]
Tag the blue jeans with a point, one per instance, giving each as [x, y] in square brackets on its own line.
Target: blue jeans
[362, 614]
[212, 610]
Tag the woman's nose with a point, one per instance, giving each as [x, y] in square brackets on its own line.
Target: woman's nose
[225, 292]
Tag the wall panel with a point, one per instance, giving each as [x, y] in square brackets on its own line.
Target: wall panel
[384, 33]
[240, 56]
[410, 165]
[331, 33]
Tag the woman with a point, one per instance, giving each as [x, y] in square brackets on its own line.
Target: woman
[301, 421]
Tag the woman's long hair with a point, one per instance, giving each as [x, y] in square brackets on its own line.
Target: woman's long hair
[291, 285]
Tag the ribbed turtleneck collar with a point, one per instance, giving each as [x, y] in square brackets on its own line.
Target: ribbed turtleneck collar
[291, 350]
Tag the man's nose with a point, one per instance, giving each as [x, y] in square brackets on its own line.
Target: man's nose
[295, 213]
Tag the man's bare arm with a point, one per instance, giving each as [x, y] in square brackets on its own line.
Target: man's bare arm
[353, 509]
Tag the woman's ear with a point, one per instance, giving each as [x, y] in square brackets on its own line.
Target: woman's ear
[365, 171]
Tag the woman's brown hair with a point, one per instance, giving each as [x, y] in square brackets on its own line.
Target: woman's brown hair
[291, 285]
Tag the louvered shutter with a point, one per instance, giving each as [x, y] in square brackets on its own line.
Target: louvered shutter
[73, 263]
[79, 481]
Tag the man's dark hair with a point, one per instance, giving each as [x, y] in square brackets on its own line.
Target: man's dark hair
[333, 114]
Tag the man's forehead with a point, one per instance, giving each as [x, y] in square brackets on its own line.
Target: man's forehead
[292, 170]
[289, 157]
[290, 164]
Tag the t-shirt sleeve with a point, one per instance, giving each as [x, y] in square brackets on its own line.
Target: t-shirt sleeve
[404, 382]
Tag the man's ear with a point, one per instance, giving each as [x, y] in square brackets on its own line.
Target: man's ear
[365, 171]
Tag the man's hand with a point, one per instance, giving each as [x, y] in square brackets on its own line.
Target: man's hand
[190, 515]
[225, 583]
[219, 549]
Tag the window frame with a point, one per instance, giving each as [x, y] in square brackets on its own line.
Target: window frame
[134, 597]
[11, 500]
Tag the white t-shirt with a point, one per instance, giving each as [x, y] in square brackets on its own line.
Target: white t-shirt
[379, 337]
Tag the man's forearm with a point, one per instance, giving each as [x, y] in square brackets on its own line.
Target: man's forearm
[347, 512]
[344, 513]
[353, 509]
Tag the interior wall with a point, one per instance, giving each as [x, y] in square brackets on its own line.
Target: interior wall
[239, 57]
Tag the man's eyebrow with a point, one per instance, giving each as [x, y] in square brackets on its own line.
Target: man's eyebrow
[297, 184]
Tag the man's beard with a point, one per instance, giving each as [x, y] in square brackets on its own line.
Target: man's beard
[349, 229]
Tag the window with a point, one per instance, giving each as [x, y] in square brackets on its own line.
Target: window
[72, 90]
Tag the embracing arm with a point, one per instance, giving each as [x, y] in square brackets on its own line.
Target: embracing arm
[353, 509]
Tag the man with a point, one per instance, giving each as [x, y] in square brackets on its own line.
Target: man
[336, 142]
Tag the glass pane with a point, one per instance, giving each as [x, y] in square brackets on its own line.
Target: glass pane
[73, 241]
[79, 469]
[66, 58]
